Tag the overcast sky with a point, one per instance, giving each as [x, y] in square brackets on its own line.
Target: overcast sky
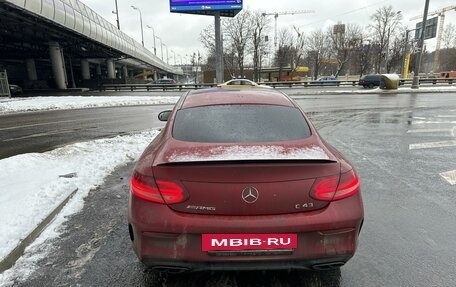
[181, 32]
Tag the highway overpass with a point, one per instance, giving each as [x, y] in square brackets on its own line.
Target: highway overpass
[64, 44]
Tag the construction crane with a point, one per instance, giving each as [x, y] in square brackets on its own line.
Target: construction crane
[276, 15]
[441, 13]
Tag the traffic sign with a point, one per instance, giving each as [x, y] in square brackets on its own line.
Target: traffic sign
[430, 31]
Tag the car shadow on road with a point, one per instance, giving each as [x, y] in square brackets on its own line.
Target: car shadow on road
[301, 278]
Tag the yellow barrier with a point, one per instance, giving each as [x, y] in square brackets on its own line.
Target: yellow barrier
[389, 82]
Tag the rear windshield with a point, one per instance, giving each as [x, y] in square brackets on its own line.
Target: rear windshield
[240, 123]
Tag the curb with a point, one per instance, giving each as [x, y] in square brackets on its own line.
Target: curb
[17, 252]
[367, 92]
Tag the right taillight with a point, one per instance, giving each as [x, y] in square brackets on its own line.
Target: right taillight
[160, 191]
[348, 185]
[335, 187]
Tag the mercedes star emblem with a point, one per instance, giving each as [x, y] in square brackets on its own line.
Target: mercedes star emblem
[250, 194]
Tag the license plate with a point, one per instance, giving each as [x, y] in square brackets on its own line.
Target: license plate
[229, 242]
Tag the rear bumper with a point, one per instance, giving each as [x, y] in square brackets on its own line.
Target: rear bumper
[165, 239]
[196, 266]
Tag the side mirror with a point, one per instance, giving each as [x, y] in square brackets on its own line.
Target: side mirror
[163, 116]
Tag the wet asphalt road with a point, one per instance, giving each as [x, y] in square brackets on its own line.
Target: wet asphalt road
[410, 210]
[43, 131]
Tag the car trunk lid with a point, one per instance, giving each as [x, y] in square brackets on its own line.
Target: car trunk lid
[247, 187]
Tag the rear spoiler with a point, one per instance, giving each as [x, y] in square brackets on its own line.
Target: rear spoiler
[247, 161]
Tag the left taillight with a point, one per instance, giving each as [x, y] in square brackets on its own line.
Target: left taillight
[335, 187]
[158, 191]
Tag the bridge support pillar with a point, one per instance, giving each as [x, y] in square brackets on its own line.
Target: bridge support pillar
[85, 69]
[31, 69]
[98, 71]
[111, 69]
[58, 65]
[125, 72]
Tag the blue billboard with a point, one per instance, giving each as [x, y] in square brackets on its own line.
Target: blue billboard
[228, 8]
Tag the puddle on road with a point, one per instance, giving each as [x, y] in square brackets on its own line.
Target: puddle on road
[388, 118]
[372, 117]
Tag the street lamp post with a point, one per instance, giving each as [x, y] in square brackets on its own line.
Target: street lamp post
[387, 50]
[140, 20]
[167, 56]
[153, 32]
[174, 57]
[117, 14]
[161, 46]
[416, 76]
[406, 57]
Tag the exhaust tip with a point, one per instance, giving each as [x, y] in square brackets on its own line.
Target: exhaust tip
[328, 266]
[170, 269]
[130, 230]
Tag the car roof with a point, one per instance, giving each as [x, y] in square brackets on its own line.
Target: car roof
[219, 96]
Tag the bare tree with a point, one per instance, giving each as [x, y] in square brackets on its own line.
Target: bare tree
[230, 61]
[386, 22]
[448, 59]
[396, 48]
[448, 53]
[344, 44]
[318, 49]
[299, 47]
[207, 38]
[238, 31]
[260, 28]
[284, 54]
[365, 52]
[237, 38]
[449, 36]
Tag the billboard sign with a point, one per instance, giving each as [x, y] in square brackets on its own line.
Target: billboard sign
[339, 29]
[228, 8]
[430, 30]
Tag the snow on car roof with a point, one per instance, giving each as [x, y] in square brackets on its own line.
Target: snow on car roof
[219, 96]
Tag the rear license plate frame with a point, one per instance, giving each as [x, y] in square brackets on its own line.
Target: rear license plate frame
[249, 241]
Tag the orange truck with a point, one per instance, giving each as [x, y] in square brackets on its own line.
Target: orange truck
[447, 74]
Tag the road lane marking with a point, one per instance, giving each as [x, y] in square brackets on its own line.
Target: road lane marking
[63, 121]
[37, 125]
[38, 135]
[433, 122]
[429, 131]
[449, 176]
[433, 144]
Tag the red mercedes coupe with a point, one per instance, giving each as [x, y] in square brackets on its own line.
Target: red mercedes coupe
[239, 179]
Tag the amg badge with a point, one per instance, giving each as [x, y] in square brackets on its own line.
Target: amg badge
[198, 207]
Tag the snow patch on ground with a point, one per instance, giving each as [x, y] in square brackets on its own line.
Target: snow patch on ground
[31, 187]
[79, 102]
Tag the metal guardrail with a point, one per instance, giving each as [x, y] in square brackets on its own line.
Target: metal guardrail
[434, 81]
[310, 84]
[153, 87]
[289, 84]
